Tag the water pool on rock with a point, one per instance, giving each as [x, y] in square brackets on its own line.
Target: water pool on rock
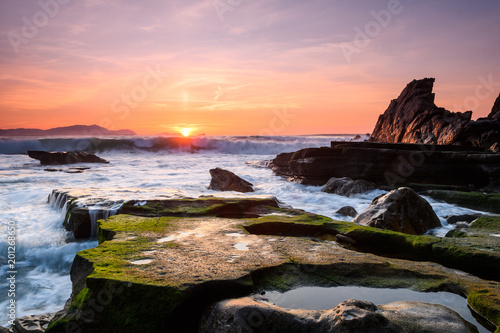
[320, 298]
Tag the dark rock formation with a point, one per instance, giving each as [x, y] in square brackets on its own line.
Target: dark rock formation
[414, 118]
[346, 186]
[71, 157]
[347, 211]
[391, 164]
[452, 219]
[257, 314]
[495, 111]
[400, 210]
[223, 180]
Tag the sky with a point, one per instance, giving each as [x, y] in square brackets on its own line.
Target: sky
[240, 67]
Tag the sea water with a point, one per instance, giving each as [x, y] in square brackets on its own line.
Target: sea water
[139, 168]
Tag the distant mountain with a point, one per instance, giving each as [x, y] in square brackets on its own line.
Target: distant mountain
[75, 130]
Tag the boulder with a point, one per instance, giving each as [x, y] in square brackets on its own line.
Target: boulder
[347, 211]
[346, 186]
[401, 210]
[64, 157]
[257, 314]
[224, 180]
[452, 219]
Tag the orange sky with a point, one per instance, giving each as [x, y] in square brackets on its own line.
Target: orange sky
[264, 67]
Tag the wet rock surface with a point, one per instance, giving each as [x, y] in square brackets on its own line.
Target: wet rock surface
[65, 157]
[346, 186]
[224, 180]
[392, 165]
[257, 314]
[161, 273]
[401, 210]
[347, 211]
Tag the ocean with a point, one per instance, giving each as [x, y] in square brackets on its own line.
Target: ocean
[139, 168]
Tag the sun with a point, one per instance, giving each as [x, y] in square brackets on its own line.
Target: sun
[185, 131]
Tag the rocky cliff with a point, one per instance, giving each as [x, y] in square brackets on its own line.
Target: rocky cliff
[414, 118]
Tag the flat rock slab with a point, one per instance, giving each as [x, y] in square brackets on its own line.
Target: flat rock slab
[161, 273]
[64, 157]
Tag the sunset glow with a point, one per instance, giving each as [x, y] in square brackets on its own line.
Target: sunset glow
[332, 66]
[186, 131]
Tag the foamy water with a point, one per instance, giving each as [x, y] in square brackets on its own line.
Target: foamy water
[140, 168]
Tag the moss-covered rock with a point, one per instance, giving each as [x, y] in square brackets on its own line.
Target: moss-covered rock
[155, 273]
[488, 202]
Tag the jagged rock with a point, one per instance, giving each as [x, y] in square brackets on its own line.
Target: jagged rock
[224, 180]
[400, 210]
[452, 219]
[414, 118]
[65, 157]
[257, 314]
[347, 211]
[346, 186]
[495, 111]
[33, 324]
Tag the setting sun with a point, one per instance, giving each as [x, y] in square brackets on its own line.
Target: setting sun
[185, 131]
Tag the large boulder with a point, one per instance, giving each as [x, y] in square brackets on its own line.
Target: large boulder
[257, 314]
[64, 157]
[346, 186]
[401, 210]
[224, 180]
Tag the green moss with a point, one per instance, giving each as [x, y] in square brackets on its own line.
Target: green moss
[80, 298]
[486, 303]
[487, 222]
[480, 201]
[207, 206]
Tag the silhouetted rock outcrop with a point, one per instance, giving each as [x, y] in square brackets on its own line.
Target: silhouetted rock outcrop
[223, 180]
[414, 118]
[400, 210]
[64, 157]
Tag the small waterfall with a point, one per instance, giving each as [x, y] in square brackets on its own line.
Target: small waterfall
[58, 199]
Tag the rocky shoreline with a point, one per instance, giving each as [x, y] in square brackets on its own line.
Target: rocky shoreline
[204, 264]
[161, 265]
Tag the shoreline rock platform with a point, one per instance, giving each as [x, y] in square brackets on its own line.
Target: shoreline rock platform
[160, 265]
[391, 165]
